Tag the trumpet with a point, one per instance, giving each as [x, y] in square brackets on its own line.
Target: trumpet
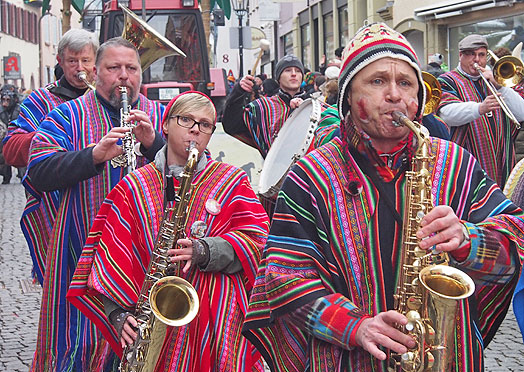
[500, 101]
[82, 75]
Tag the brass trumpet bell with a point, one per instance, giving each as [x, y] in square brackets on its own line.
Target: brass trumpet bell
[150, 44]
[507, 71]
[174, 301]
[433, 93]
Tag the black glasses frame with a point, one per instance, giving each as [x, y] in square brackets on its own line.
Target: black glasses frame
[177, 117]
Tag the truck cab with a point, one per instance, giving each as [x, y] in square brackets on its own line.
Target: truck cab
[180, 22]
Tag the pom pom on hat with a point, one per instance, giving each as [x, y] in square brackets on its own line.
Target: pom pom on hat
[371, 43]
[332, 72]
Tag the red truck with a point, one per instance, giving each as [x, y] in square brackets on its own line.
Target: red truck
[179, 21]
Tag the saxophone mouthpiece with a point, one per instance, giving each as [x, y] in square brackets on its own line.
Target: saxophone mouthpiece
[398, 118]
[191, 146]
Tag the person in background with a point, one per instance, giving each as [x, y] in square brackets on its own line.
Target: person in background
[434, 66]
[270, 87]
[219, 261]
[473, 113]
[309, 82]
[519, 88]
[9, 111]
[256, 123]
[231, 82]
[323, 298]
[330, 87]
[71, 154]
[76, 53]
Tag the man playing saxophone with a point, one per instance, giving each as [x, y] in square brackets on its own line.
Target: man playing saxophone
[70, 154]
[219, 251]
[324, 298]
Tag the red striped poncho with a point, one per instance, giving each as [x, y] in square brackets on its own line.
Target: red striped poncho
[324, 245]
[117, 252]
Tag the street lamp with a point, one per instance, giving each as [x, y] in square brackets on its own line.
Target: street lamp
[240, 8]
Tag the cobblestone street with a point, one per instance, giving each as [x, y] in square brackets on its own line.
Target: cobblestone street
[20, 299]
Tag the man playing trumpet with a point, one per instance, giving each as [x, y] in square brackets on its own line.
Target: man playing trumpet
[474, 114]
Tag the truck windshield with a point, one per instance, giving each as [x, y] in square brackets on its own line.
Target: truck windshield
[182, 30]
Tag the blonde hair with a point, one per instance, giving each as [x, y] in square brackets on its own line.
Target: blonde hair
[190, 102]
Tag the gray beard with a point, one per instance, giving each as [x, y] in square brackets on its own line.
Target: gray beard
[115, 100]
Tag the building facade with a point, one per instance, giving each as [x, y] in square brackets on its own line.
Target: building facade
[311, 29]
[19, 35]
[29, 41]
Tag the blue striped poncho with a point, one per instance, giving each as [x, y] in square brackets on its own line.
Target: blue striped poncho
[67, 340]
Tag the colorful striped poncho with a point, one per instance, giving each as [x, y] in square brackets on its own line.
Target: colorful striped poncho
[489, 138]
[39, 213]
[67, 340]
[265, 117]
[118, 250]
[324, 248]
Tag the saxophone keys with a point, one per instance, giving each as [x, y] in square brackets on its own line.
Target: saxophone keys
[430, 360]
[413, 318]
[430, 334]
[408, 361]
[414, 303]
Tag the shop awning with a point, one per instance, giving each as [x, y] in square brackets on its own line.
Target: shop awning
[455, 8]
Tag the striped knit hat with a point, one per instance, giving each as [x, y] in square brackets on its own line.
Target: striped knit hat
[371, 43]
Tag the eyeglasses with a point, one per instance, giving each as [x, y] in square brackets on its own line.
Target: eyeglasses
[187, 122]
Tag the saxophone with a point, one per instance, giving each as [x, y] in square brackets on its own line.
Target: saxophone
[165, 299]
[428, 289]
[128, 157]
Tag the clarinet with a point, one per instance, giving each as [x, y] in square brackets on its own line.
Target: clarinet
[128, 157]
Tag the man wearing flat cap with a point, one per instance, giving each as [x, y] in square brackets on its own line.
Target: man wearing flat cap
[476, 120]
